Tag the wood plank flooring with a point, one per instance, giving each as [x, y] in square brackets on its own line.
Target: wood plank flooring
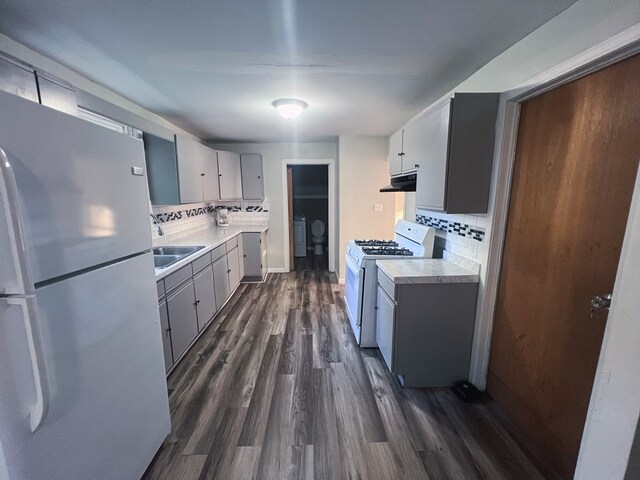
[277, 388]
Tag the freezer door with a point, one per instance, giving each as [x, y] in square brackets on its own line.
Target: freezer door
[108, 407]
[82, 187]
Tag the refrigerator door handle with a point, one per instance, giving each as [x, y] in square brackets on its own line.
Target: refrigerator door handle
[29, 311]
[14, 266]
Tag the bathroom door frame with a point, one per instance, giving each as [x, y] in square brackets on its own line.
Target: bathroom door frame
[332, 205]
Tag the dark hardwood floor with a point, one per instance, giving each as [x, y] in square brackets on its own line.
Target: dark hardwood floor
[278, 389]
[311, 262]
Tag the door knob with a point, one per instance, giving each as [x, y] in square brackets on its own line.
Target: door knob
[599, 302]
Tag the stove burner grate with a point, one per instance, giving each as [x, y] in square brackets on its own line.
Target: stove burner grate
[403, 252]
[376, 243]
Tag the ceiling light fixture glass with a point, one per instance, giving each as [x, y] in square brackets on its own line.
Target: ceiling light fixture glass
[289, 107]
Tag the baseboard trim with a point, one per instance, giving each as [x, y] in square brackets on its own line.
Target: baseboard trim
[277, 270]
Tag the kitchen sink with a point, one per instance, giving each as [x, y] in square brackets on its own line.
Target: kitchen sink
[181, 251]
[163, 261]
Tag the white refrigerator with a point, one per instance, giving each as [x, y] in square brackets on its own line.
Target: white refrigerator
[83, 393]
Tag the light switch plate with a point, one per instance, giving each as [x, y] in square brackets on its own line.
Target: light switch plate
[139, 171]
[377, 207]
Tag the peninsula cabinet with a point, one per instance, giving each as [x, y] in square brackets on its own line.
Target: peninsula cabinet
[451, 148]
[254, 256]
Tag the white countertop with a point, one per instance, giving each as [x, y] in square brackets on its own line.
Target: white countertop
[426, 270]
[210, 238]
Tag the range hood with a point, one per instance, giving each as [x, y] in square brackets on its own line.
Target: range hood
[402, 183]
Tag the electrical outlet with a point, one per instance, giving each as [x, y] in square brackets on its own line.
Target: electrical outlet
[377, 207]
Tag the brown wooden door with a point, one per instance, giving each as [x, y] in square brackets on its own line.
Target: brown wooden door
[290, 207]
[576, 162]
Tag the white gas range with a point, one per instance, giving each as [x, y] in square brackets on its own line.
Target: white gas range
[412, 240]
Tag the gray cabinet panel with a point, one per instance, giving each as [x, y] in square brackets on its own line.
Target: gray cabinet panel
[162, 170]
[18, 80]
[252, 254]
[58, 96]
[457, 142]
[229, 176]
[166, 335]
[182, 318]
[233, 261]
[189, 156]
[395, 153]
[210, 184]
[252, 181]
[221, 280]
[385, 324]
[240, 256]
[263, 253]
[205, 296]
[431, 140]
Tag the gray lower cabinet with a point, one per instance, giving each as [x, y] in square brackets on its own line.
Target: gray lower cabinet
[166, 335]
[254, 255]
[205, 296]
[425, 331]
[194, 294]
[181, 306]
[221, 280]
[233, 261]
[386, 317]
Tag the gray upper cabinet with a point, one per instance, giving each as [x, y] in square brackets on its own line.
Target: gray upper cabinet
[190, 161]
[252, 182]
[395, 153]
[18, 80]
[162, 170]
[183, 171]
[229, 176]
[454, 152]
[55, 93]
[209, 176]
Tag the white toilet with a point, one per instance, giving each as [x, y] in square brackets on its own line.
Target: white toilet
[317, 236]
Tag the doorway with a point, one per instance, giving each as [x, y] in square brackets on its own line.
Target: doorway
[309, 198]
[575, 169]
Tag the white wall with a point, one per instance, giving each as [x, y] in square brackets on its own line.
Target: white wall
[272, 156]
[363, 171]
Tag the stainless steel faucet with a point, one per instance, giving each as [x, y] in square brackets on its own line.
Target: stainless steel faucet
[160, 230]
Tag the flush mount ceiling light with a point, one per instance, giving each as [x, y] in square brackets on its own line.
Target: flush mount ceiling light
[289, 107]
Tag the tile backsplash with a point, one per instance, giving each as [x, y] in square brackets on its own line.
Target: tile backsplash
[178, 220]
[461, 234]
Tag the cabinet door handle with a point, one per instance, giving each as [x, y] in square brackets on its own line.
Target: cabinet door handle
[202, 174]
[228, 271]
[219, 174]
[417, 166]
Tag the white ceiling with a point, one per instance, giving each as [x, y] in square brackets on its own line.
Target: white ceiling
[214, 67]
